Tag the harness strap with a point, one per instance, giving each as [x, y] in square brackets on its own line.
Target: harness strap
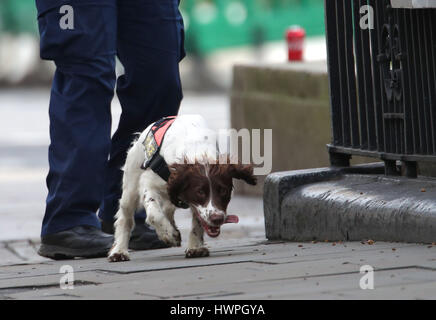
[157, 163]
[160, 167]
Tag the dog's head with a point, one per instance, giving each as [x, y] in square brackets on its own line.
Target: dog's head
[207, 189]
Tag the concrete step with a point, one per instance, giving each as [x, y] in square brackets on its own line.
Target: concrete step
[345, 204]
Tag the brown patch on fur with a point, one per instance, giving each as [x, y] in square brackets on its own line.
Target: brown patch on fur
[190, 182]
[183, 177]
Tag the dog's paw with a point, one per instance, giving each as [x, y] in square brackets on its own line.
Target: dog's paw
[171, 237]
[197, 252]
[118, 256]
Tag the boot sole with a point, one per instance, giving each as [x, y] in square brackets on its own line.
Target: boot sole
[63, 253]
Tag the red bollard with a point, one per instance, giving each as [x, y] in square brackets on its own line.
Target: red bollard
[295, 36]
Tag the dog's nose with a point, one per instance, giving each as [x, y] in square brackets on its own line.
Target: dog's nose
[217, 219]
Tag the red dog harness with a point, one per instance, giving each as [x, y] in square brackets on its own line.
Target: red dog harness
[152, 144]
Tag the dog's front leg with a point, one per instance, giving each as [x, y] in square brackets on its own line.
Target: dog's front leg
[196, 246]
[124, 225]
[156, 217]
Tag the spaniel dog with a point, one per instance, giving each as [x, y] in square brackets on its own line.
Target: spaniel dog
[197, 177]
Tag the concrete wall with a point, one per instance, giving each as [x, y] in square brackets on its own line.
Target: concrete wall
[292, 99]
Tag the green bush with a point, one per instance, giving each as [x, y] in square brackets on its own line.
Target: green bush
[213, 24]
[210, 24]
[18, 16]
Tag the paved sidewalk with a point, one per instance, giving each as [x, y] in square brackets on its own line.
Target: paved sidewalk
[237, 269]
[23, 250]
[242, 265]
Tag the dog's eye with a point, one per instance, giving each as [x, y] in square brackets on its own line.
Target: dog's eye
[201, 192]
[223, 191]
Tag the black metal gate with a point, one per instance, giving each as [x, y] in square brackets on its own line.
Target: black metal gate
[382, 83]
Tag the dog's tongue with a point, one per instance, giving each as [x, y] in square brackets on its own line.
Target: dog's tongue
[232, 219]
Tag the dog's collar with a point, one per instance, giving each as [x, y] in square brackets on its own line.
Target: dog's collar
[152, 144]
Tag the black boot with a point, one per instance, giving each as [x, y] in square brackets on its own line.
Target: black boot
[80, 241]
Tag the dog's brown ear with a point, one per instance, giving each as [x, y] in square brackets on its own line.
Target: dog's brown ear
[177, 183]
[243, 172]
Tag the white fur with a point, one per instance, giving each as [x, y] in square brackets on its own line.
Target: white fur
[187, 138]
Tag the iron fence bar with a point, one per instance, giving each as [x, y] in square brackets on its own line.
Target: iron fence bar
[376, 85]
[360, 73]
[417, 96]
[424, 80]
[370, 116]
[345, 103]
[333, 67]
[397, 56]
[432, 88]
[410, 133]
[429, 70]
[351, 76]
[413, 106]
[380, 25]
[391, 102]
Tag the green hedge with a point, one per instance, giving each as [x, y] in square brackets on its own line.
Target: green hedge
[18, 16]
[213, 24]
[210, 24]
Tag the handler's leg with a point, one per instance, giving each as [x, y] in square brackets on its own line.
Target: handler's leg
[80, 123]
[150, 46]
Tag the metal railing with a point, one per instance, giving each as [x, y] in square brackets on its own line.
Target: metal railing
[382, 83]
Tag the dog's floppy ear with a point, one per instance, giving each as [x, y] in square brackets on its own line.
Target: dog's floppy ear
[177, 183]
[243, 172]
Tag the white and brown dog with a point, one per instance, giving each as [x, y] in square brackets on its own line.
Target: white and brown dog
[196, 177]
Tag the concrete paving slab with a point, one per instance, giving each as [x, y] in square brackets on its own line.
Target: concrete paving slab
[246, 251]
[350, 251]
[401, 284]
[141, 261]
[254, 270]
[26, 250]
[27, 222]
[8, 257]
[240, 282]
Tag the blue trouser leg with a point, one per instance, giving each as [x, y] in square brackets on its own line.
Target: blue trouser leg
[80, 119]
[150, 47]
